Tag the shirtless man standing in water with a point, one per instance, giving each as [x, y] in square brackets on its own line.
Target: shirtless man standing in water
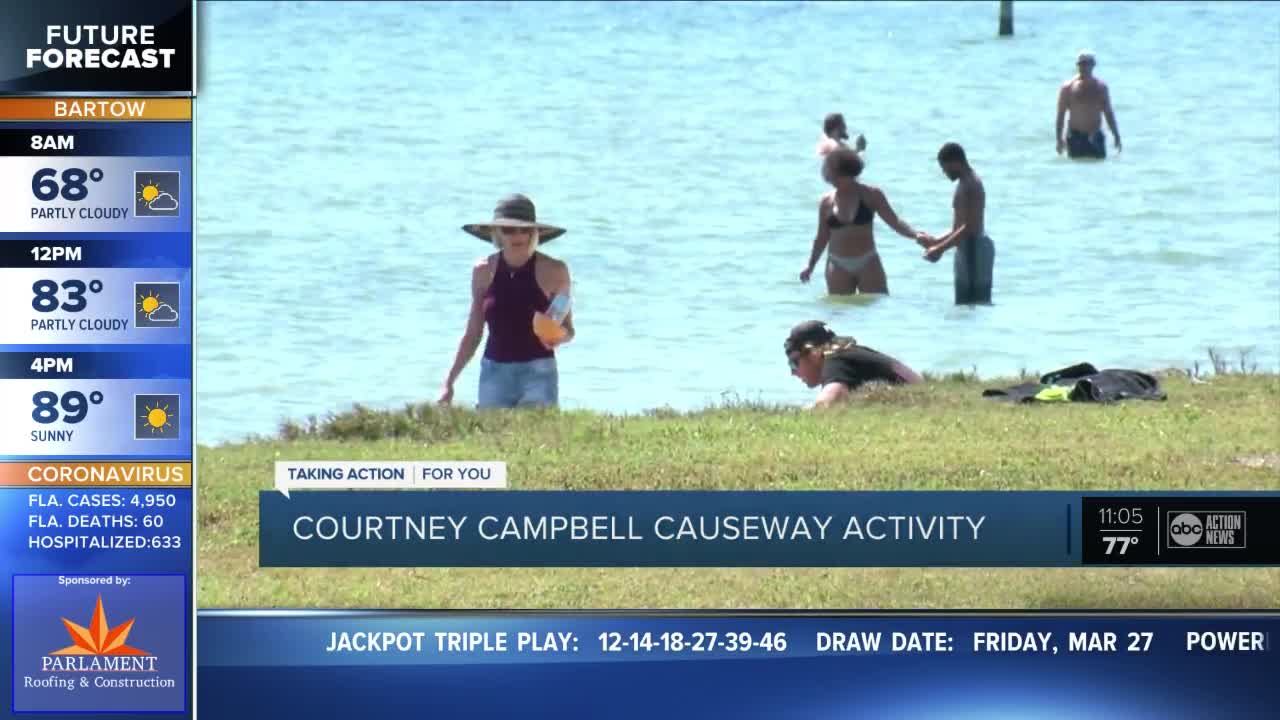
[1088, 100]
[975, 253]
[834, 134]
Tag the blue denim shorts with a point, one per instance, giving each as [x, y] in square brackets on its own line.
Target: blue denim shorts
[519, 384]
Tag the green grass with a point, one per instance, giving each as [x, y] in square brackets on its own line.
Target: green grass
[1219, 435]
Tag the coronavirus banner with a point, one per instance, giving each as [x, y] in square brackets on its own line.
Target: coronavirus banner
[96, 356]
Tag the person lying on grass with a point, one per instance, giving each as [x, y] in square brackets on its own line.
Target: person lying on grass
[838, 364]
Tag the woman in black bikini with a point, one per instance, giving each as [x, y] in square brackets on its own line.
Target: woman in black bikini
[845, 216]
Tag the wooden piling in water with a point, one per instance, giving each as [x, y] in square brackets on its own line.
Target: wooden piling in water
[1006, 17]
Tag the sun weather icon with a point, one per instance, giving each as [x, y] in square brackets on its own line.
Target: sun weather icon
[156, 417]
[158, 193]
[157, 305]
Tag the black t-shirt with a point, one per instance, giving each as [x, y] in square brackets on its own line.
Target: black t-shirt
[859, 365]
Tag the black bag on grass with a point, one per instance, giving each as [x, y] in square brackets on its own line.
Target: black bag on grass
[1083, 383]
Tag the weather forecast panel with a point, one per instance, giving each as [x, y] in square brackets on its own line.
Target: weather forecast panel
[96, 256]
[96, 358]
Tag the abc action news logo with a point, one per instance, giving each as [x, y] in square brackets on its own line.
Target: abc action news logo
[1220, 529]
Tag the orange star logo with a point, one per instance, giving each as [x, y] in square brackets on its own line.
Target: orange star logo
[99, 638]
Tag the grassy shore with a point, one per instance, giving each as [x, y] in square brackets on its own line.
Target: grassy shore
[1223, 434]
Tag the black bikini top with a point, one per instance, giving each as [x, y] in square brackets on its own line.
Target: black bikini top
[864, 216]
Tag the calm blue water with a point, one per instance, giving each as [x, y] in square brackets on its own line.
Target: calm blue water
[341, 146]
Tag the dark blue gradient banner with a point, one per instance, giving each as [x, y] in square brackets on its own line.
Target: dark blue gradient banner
[765, 529]
[78, 250]
[86, 139]
[302, 664]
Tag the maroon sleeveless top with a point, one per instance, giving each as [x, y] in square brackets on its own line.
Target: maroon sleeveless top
[509, 304]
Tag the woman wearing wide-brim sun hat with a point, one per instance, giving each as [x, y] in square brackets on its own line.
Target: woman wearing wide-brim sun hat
[511, 292]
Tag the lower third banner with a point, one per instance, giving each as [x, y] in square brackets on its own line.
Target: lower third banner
[305, 664]
[765, 529]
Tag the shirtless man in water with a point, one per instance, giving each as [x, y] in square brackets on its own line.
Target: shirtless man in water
[1088, 100]
[975, 252]
[834, 134]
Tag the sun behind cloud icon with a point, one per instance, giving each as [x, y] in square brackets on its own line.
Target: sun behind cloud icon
[155, 308]
[157, 418]
[157, 193]
[99, 638]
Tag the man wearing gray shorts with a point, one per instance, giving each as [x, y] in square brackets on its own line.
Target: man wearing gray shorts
[975, 253]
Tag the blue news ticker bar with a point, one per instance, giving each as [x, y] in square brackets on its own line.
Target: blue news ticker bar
[755, 529]
[629, 665]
